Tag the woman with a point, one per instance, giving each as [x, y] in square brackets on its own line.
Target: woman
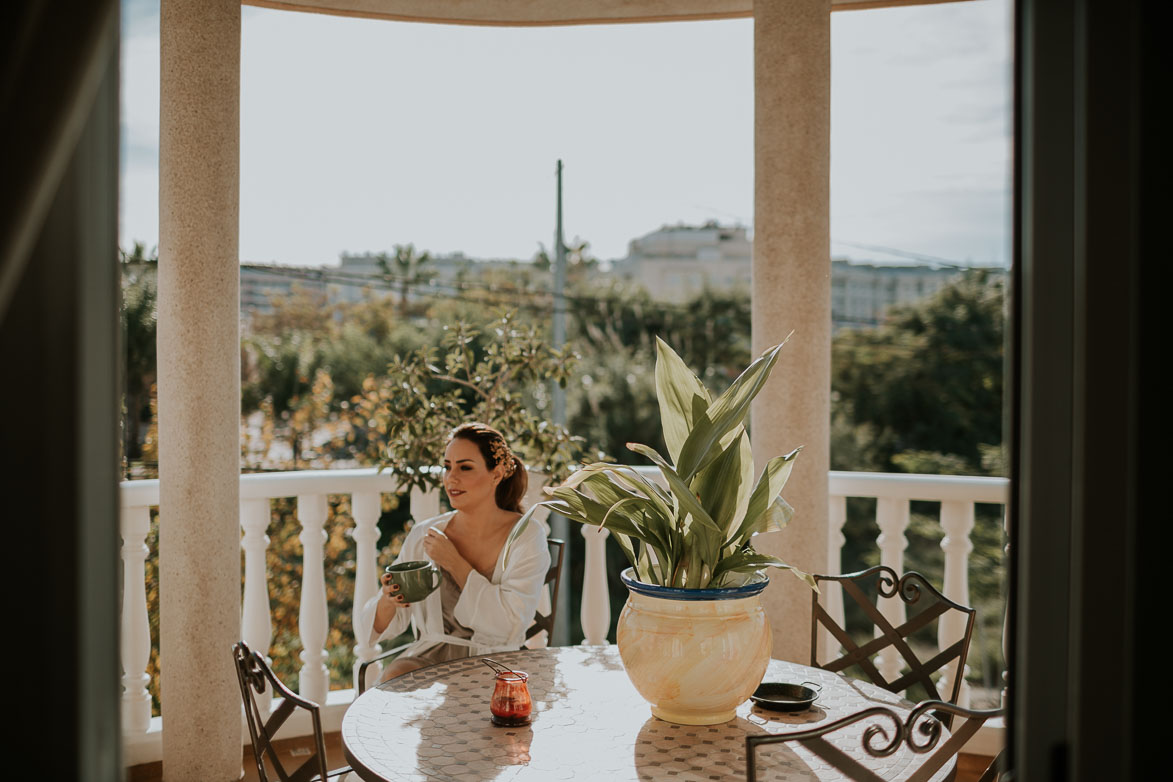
[484, 603]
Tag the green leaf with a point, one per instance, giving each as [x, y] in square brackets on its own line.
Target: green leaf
[682, 397]
[724, 414]
[709, 533]
[760, 513]
[626, 546]
[652, 523]
[643, 566]
[584, 509]
[724, 486]
[626, 475]
[777, 517]
[750, 561]
[655, 525]
[695, 569]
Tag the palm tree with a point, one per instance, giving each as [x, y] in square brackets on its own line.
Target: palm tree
[407, 269]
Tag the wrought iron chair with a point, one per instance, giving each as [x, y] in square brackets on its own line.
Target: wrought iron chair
[916, 592]
[251, 672]
[921, 731]
[541, 621]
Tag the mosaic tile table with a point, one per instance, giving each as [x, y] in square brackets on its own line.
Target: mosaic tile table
[589, 723]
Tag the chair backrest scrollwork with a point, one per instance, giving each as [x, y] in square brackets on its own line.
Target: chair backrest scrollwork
[921, 730]
[861, 590]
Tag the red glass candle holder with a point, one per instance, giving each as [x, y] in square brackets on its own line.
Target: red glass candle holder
[511, 705]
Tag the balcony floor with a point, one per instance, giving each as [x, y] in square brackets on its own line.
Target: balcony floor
[969, 767]
[293, 752]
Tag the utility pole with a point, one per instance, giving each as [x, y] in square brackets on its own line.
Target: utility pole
[559, 526]
[557, 393]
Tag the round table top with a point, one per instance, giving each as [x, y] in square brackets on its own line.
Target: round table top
[590, 723]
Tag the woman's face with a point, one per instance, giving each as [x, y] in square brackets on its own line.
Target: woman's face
[467, 481]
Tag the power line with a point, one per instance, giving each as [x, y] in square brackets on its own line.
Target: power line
[913, 256]
[434, 288]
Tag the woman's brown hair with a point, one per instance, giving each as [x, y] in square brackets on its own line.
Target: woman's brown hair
[495, 451]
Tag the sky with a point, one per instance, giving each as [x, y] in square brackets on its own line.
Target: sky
[358, 135]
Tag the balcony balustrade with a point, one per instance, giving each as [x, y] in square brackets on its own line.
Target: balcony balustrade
[142, 733]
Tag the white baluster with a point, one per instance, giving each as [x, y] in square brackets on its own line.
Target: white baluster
[833, 599]
[596, 604]
[957, 521]
[425, 504]
[366, 508]
[256, 620]
[892, 518]
[136, 625]
[314, 680]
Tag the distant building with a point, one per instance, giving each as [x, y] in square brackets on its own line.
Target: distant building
[260, 284]
[861, 293]
[675, 263]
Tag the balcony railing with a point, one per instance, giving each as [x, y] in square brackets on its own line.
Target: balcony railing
[143, 734]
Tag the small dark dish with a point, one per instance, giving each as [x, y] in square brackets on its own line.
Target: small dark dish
[779, 696]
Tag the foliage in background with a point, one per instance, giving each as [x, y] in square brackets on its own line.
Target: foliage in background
[402, 419]
[614, 327]
[138, 320]
[926, 386]
[302, 361]
[409, 268]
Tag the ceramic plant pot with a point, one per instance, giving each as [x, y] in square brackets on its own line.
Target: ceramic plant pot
[694, 654]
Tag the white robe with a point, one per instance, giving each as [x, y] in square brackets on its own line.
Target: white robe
[497, 610]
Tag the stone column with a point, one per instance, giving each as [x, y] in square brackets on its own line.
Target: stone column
[792, 287]
[199, 387]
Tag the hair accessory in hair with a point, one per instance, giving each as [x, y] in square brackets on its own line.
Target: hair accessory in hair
[502, 455]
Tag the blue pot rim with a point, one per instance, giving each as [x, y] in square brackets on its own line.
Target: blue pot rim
[754, 587]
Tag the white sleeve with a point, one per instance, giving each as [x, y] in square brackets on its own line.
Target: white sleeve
[498, 614]
[364, 626]
[366, 622]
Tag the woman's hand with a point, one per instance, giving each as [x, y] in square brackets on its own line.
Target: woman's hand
[443, 552]
[391, 592]
[390, 601]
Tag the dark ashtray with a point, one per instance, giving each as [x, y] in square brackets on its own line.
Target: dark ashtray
[780, 696]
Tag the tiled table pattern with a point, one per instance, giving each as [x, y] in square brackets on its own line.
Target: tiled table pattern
[589, 723]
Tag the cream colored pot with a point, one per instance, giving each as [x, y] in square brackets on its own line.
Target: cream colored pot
[694, 654]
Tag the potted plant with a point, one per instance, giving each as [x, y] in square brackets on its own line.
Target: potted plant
[693, 636]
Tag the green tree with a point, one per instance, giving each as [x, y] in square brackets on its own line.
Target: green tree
[402, 419]
[613, 328]
[138, 317]
[581, 265]
[407, 266]
[284, 373]
[924, 391]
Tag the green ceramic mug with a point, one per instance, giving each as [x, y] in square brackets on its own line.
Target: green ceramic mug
[416, 580]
